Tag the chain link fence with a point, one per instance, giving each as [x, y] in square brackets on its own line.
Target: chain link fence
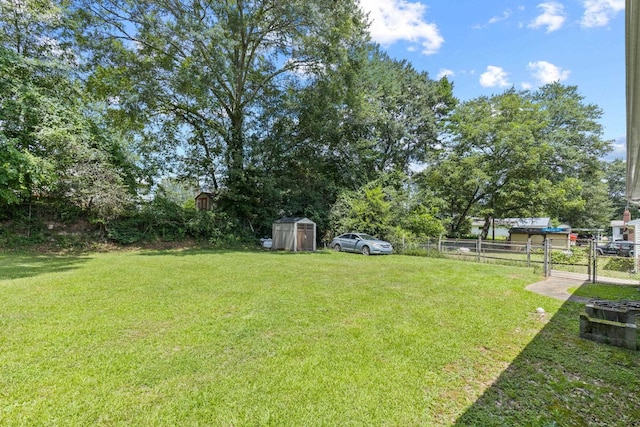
[600, 261]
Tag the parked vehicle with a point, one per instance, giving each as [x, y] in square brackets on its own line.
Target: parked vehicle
[266, 242]
[362, 243]
[583, 239]
[619, 247]
[625, 249]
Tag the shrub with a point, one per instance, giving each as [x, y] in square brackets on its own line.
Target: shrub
[620, 264]
[571, 257]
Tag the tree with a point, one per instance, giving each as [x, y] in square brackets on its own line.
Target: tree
[615, 178]
[573, 132]
[199, 74]
[459, 182]
[389, 207]
[52, 141]
[403, 110]
[33, 29]
[501, 138]
[522, 154]
[370, 117]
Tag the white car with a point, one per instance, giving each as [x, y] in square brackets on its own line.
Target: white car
[266, 243]
[362, 243]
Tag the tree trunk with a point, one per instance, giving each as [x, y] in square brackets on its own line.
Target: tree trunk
[488, 220]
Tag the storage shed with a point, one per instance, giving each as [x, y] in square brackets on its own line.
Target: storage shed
[560, 237]
[204, 201]
[294, 234]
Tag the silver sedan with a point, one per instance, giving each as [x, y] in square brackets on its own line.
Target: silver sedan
[362, 243]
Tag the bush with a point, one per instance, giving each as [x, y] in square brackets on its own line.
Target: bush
[423, 252]
[571, 257]
[620, 264]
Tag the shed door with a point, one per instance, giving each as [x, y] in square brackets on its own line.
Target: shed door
[305, 237]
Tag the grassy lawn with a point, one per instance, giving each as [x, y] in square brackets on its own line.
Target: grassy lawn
[221, 338]
[608, 292]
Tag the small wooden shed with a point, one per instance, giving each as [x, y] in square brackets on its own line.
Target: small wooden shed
[294, 234]
[204, 201]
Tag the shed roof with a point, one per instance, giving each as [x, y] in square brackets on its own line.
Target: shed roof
[204, 193]
[539, 230]
[293, 220]
[516, 222]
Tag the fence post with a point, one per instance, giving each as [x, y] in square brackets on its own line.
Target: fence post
[528, 249]
[547, 259]
[478, 248]
[589, 259]
[593, 249]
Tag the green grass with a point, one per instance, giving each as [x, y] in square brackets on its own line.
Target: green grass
[257, 338]
[608, 292]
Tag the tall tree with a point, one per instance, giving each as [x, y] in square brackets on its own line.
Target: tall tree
[615, 179]
[200, 73]
[403, 113]
[502, 134]
[523, 154]
[52, 140]
[370, 117]
[573, 132]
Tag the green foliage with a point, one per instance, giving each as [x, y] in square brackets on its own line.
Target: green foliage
[523, 154]
[165, 220]
[222, 73]
[52, 141]
[573, 256]
[216, 228]
[620, 264]
[281, 108]
[19, 172]
[423, 252]
[423, 222]
[387, 208]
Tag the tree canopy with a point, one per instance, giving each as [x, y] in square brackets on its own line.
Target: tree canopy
[277, 108]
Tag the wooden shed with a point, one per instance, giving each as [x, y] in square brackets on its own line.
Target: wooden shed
[204, 201]
[294, 234]
[560, 237]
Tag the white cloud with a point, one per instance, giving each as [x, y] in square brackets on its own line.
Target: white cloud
[401, 20]
[619, 149]
[505, 15]
[444, 72]
[598, 13]
[546, 72]
[494, 20]
[552, 17]
[494, 76]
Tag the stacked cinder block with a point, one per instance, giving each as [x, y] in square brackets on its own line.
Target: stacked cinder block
[611, 322]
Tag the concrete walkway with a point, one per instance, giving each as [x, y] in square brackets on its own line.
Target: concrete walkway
[558, 284]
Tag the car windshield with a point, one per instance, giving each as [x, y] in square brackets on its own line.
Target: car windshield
[366, 237]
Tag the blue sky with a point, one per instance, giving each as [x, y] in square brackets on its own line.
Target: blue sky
[488, 46]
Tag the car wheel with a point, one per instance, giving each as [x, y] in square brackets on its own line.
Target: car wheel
[337, 248]
[365, 250]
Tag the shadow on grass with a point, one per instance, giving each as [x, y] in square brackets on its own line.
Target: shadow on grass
[560, 379]
[17, 266]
